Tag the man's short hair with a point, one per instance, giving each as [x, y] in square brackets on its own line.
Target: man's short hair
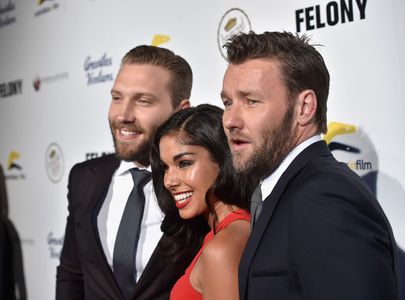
[180, 70]
[301, 65]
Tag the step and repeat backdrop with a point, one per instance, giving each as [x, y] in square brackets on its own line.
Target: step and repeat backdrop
[58, 61]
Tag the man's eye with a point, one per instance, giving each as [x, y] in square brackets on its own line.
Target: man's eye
[251, 101]
[144, 101]
[226, 103]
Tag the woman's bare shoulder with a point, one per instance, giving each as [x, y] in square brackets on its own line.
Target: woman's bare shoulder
[228, 243]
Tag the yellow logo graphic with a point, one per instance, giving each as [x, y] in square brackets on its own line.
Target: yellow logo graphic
[336, 128]
[159, 39]
[14, 155]
[350, 144]
[230, 24]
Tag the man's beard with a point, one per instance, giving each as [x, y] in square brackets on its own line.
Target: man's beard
[133, 152]
[271, 150]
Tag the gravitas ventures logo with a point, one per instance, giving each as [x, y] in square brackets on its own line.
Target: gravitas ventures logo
[95, 68]
[55, 243]
[7, 13]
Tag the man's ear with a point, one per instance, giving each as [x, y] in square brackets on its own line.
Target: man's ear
[306, 107]
[185, 103]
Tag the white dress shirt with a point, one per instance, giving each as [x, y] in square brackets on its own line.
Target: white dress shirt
[270, 182]
[109, 217]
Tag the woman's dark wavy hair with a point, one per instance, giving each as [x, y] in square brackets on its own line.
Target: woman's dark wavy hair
[198, 126]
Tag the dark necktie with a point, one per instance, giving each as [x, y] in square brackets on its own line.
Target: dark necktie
[256, 204]
[128, 234]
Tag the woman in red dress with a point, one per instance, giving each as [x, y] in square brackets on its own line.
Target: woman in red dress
[196, 186]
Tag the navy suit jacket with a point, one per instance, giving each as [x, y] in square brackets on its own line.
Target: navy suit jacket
[321, 235]
[84, 272]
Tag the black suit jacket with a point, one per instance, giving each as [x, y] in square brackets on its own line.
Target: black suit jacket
[84, 272]
[321, 235]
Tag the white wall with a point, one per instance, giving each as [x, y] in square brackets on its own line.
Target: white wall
[52, 40]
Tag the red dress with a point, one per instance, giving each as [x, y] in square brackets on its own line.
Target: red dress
[183, 290]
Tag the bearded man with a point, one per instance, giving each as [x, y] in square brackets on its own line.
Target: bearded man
[318, 231]
[111, 247]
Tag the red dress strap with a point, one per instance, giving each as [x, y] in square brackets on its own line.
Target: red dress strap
[183, 290]
[239, 214]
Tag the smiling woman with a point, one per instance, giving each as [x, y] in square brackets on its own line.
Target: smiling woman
[196, 186]
[189, 173]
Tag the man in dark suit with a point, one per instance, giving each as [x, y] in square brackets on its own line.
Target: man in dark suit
[151, 85]
[318, 231]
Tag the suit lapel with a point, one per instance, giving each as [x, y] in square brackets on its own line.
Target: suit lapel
[100, 175]
[149, 274]
[269, 207]
[160, 275]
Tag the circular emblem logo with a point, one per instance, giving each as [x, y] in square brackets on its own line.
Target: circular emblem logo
[54, 163]
[234, 21]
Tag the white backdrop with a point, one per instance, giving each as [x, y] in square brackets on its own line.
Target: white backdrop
[58, 60]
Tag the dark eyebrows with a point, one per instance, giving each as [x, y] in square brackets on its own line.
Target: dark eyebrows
[243, 94]
[115, 92]
[180, 155]
[249, 94]
[223, 95]
[136, 96]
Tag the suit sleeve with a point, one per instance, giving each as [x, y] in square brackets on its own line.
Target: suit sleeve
[69, 279]
[341, 241]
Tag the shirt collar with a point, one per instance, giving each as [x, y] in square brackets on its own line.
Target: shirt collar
[126, 165]
[270, 182]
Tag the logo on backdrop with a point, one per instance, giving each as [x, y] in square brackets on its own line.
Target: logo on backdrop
[233, 21]
[159, 39]
[46, 6]
[54, 162]
[10, 88]
[14, 168]
[38, 81]
[98, 69]
[351, 145]
[91, 155]
[55, 244]
[329, 14]
[7, 16]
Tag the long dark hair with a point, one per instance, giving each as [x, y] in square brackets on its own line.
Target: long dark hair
[198, 126]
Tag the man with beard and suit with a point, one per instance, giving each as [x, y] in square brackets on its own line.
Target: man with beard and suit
[98, 259]
[318, 232]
